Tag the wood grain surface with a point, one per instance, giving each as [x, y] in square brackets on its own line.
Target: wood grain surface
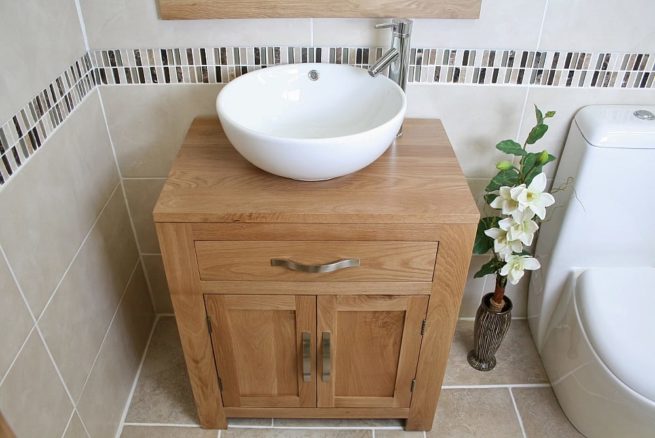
[417, 181]
[204, 9]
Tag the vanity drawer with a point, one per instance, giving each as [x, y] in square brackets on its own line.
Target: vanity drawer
[314, 260]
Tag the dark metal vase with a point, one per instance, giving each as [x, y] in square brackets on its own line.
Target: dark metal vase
[489, 332]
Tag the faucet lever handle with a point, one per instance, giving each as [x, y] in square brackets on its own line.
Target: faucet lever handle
[386, 25]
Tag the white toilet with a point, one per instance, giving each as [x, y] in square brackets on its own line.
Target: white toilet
[591, 307]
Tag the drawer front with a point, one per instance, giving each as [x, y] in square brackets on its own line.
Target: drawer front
[375, 261]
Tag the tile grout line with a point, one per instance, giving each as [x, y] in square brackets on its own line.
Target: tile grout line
[80, 17]
[128, 402]
[111, 322]
[77, 252]
[127, 204]
[518, 414]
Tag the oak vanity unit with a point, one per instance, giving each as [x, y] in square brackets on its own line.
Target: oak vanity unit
[332, 299]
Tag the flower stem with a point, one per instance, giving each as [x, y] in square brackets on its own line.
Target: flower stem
[497, 301]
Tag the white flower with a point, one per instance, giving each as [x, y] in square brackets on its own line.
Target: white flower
[520, 226]
[534, 197]
[502, 246]
[515, 266]
[505, 201]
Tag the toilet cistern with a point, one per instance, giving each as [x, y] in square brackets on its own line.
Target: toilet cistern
[397, 57]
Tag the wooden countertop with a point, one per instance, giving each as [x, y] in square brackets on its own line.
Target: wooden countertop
[417, 180]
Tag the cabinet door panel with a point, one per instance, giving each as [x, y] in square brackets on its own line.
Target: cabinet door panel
[373, 351]
[258, 347]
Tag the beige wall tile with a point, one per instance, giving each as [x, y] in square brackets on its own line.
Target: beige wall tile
[605, 26]
[475, 119]
[32, 397]
[474, 288]
[149, 123]
[541, 414]
[111, 379]
[295, 433]
[75, 428]
[86, 300]
[55, 199]
[142, 194]
[15, 320]
[154, 267]
[163, 393]
[136, 23]
[567, 102]
[484, 413]
[517, 358]
[503, 24]
[35, 48]
[166, 432]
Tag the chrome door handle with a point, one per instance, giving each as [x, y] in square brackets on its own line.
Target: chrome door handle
[306, 357]
[325, 347]
[327, 267]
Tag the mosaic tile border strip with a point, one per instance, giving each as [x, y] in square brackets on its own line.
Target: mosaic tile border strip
[24, 133]
[427, 65]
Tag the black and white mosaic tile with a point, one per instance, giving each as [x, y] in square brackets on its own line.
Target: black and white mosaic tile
[427, 65]
[25, 132]
[28, 129]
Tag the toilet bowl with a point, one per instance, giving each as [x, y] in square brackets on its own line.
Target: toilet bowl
[591, 308]
[599, 352]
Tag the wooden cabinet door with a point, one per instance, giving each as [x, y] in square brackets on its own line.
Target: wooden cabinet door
[368, 349]
[264, 346]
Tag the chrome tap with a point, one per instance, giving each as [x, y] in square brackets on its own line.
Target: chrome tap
[397, 57]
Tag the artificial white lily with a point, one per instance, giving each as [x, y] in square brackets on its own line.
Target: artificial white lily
[505, 201]
[520, 226]
[502, 246]
[516, 265]
[534, 197]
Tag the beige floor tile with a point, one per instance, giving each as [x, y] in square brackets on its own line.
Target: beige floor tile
[163, 393]
[255, 422]
[541, 414]
[166, 432]
[295, 433]
[517, 359]
[323, 422]
[487, 413]
[398, 434]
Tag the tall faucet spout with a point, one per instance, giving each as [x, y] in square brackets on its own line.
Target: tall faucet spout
[382, 63]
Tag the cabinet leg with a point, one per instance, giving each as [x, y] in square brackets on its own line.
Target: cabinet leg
[192, 325]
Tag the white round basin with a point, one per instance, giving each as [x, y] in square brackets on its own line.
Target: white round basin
[311, 121]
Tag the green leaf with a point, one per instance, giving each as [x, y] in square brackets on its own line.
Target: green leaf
[532, 173]
[489, 197]
[484, 243]
[536, 133]
[491, 267]
[549, 114]
[540, 116]
[503, 178]
[549, 159]
[510, 147]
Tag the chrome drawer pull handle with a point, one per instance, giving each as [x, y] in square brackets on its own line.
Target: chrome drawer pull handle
[306, 357]
[326, 356]
[327, 267]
